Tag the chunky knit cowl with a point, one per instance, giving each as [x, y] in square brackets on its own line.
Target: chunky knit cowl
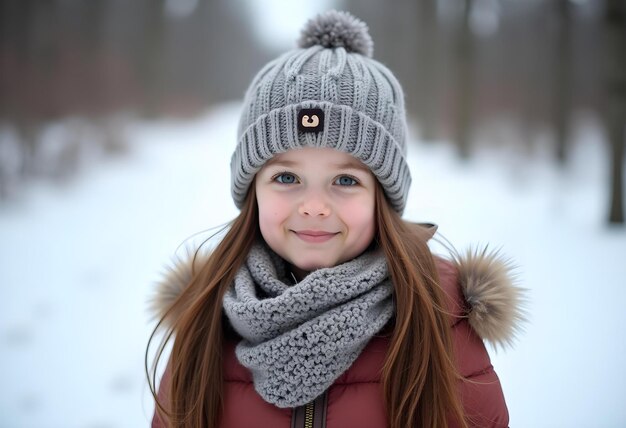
[298, 339]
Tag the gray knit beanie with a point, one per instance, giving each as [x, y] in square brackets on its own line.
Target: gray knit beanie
[327, 93]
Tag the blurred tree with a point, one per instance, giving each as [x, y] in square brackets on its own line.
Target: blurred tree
[615, 111]
[151, 60]
[464, 82]
[562, 81]
[26, 90]
[93, 31]
[427, 77]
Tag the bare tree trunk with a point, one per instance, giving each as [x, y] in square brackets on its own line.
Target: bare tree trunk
[26, 113]
[92, 28]
[427, 94]
[616, 135]
[562, 80]
[465, 81]
[615, 117]
[151, 64]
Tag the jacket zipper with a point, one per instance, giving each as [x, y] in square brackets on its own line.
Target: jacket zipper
[311, 415]
[309, 411]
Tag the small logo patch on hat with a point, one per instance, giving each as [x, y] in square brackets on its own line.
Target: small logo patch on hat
[311, 120]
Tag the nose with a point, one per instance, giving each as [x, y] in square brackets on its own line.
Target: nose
[314, 205]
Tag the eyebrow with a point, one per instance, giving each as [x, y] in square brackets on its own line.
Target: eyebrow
[275, 161]
[355, 164]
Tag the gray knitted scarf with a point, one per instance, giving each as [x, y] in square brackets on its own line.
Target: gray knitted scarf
[298, 339]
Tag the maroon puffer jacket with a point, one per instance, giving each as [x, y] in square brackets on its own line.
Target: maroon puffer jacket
[355, 399]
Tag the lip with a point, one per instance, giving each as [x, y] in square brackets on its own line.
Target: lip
[314, 236]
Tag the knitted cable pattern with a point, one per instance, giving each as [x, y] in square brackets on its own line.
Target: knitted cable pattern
[298, 339]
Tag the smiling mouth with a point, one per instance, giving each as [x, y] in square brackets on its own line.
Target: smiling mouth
[314, 236]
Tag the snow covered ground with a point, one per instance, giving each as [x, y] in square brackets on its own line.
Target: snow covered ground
[77, 264]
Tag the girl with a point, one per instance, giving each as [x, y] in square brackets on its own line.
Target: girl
[321, 306]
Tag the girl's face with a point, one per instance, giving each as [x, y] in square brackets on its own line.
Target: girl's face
[316, 207]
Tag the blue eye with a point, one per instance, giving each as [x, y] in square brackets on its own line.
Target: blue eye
[346, 180]
[286, 178]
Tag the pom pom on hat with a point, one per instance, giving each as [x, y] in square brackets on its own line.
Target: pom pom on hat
[337, 29]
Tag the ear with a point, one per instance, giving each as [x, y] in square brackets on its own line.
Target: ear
[497, 306]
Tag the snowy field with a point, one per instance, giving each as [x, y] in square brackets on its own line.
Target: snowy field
[78, 262]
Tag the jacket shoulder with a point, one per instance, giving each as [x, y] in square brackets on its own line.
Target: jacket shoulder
[480, 389]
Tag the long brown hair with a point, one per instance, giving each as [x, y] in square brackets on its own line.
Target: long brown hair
[419, 377]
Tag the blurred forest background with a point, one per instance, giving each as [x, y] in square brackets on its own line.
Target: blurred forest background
[476, 72]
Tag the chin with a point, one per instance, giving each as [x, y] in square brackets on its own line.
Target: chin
[311, 266]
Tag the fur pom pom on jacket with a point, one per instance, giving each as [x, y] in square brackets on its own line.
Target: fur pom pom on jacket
[496, 305]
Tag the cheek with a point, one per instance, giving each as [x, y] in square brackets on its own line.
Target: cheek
[360, 218]
[272, 212]
[367, 228]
